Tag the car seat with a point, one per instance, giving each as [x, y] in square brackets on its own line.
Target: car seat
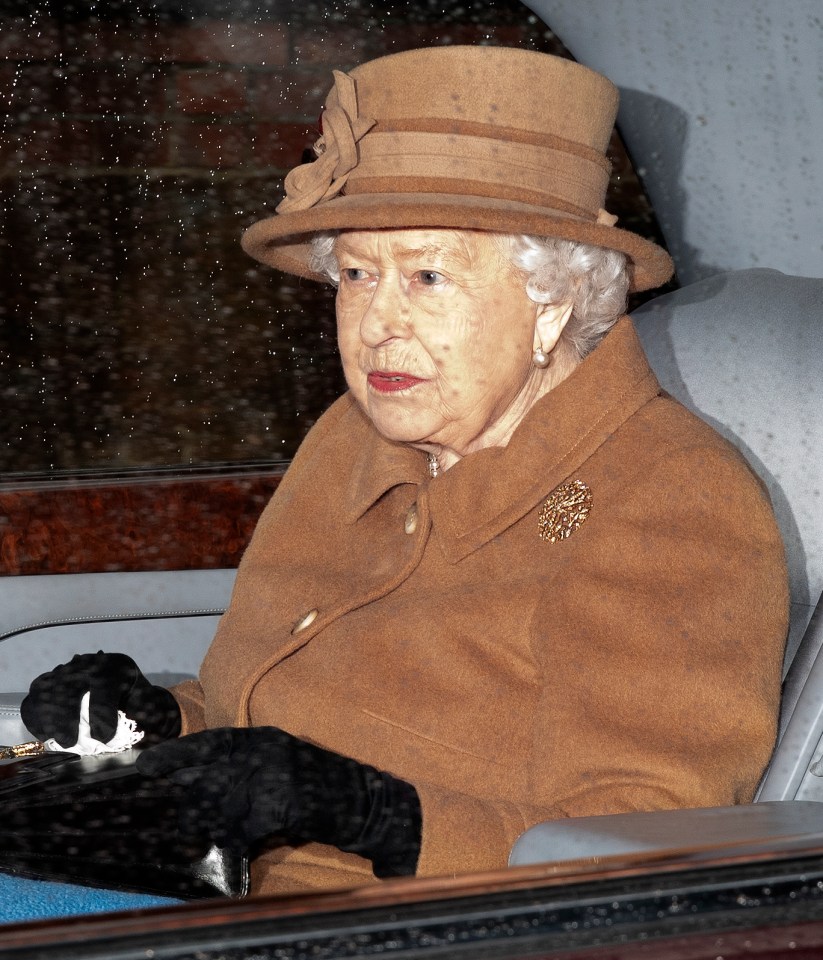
[164, 620]
[743, 350]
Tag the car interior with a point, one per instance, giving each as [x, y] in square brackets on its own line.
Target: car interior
[752, 373]
[739, 344]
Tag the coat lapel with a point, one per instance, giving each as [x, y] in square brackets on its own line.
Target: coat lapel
[486, 493]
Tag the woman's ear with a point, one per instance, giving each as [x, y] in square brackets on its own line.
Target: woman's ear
[549, 324]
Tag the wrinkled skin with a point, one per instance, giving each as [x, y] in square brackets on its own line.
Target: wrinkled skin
[445, 307]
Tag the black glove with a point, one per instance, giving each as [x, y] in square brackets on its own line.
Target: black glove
[52, 706]
[250, 784]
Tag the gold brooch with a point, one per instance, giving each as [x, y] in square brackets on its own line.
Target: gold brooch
[564, 511]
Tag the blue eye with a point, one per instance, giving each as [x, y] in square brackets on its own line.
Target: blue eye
[354, 274]
[430, 278]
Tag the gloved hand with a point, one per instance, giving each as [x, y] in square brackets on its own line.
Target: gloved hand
[249, 784]
[52, 707]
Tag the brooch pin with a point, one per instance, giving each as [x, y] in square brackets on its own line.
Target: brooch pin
[564, 511]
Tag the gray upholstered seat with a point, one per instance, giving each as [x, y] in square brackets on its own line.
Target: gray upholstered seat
[745, 351]
[164, 620]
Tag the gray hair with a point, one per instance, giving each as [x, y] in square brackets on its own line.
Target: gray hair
[594, 279]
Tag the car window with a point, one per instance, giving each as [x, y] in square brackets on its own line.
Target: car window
[138, 342]
[139, 140]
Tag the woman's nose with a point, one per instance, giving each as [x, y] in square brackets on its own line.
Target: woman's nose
[387, 314]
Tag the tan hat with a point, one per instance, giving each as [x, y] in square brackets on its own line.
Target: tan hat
[473, 138]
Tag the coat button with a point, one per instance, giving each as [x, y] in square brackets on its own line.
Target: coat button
[305, 621]
[411, 519]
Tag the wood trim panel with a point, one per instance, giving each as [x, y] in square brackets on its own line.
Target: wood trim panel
[165, 524]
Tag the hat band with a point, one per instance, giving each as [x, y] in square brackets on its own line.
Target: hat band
[470, 165]
[465, 188]
[474, 128]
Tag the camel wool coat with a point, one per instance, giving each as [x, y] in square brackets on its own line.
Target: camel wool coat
[424, 626]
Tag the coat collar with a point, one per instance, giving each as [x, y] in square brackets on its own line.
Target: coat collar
[378, 466]
[483, 494]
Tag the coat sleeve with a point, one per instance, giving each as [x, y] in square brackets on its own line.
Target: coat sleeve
[660, 662]
[192, 702]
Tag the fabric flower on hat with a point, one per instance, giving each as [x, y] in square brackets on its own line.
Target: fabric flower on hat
[336, 150]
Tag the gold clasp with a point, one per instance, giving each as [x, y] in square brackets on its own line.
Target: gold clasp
[33, 748]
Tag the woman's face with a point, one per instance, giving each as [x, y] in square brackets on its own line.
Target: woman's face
[436, 335]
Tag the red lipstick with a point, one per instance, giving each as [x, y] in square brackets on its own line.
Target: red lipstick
[390, 381]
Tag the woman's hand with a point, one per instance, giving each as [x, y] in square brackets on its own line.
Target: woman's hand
[52, 707]
[245, 785]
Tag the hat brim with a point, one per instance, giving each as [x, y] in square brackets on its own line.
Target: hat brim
[283, 241]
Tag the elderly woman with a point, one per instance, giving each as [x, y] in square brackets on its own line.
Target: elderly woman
[506, 577]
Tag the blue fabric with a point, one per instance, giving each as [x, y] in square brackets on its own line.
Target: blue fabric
[22, 899]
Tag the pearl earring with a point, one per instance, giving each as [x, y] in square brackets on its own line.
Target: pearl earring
[540, 358]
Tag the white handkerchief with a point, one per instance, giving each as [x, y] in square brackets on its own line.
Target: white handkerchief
[125, 736]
